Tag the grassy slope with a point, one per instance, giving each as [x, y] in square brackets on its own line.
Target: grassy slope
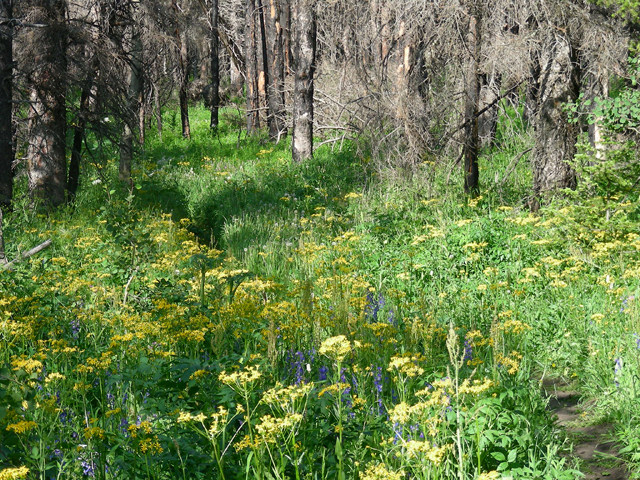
[107, 344]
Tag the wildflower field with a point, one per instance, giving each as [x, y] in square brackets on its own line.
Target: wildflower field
[234, 316]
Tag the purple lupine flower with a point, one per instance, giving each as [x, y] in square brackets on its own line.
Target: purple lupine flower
[637, 340]
[373, 306]
[322, 373]
[616, 370]
[468, 351]
[88, 468]
[298, 367]
[75, 329]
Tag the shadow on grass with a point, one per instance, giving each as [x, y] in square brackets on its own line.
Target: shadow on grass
[253, 186]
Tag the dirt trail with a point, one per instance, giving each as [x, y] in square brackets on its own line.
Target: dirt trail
[592, 444]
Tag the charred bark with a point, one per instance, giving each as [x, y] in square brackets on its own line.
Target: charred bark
[555, 136]
[184, 84]
[251, 65]
[46, 154]
[133, 99]
[471, 141]
[304, 65]
[215, 65]
[275, 87]
[6, 83]
[78, 136]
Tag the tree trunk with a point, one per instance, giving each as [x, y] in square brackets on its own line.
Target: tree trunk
[133, 98]
[555, 137]
[157, 110]
[46, 154]
[471, 173]
[275, 88]
[304, 65]
[184, 83]
[6, 82]
[215, 65]
[78, 136]
[267, 74]
[251, 63]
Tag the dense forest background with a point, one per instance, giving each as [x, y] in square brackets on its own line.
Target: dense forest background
[281, 239]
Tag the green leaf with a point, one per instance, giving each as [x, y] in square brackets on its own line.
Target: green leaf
[499, 456]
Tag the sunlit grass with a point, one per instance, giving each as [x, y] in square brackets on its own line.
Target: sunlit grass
[240, 315]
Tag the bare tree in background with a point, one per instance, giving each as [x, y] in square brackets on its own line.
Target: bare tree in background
[555, 136]
[6, 96]
[46, 54]
[133, 98]
[215, 65]
[471, 142]
[304, 56]
[251, 68]
[274, 46]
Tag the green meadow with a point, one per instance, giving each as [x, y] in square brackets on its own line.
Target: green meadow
[237, 316]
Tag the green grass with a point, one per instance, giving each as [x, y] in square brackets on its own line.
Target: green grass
[127, 366]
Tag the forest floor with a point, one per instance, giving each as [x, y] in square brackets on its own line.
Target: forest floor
[593, 446]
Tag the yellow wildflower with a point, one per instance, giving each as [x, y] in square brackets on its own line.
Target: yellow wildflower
[13, 473]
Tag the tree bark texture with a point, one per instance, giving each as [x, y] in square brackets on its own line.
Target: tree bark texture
[275, 87]
[181, 36]
[471, 173]
[251, 64]
[78, 137]
[555, 137]
[304, 53]
[265, 74]
[46, 160]
[133, 98]
[215, 65]
[6, 73]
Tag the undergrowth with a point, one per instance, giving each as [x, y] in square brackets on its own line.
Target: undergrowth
[236, 316]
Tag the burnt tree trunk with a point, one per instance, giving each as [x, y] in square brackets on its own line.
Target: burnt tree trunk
[251, 64]
[275, 87]
[133, 98]
[78, 137]
[266, 73]
[215, 65]
[181, 36]
[471, 173]
[6, 82]
[46, 154]
[555, 136]
[304, 66]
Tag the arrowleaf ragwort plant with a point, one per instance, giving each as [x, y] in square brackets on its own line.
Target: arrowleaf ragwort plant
[373, 336]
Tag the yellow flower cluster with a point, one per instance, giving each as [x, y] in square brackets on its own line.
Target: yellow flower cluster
[380, 472]
[29, 365]
[337, 347]
[21, 427]
[335, 389]
[240, 378]
[405, 365]
[270, 428]
[435, 455]
[492, 475]
[14, 473]
[93, 432]
[475, 388]
[512, 361]
[286, 397]
[186, 417]
[150, 446]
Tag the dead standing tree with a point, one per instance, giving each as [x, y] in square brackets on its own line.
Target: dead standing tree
[555, 136]
[6, 97]
[304, 56]
[46, 57]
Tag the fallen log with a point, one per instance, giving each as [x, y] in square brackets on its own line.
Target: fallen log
[8, 265]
